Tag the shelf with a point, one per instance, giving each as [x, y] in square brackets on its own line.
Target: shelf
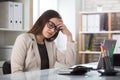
[97, 12]
[93, 52]
[89, 52]
[99, 32]
[6, 46]
[103, 25]
[4, 29]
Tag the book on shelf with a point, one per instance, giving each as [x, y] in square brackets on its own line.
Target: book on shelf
[87, 42]
[104, 22]
[92, 42]
[115, 22]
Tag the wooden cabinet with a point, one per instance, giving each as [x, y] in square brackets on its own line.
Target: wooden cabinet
[96, 26]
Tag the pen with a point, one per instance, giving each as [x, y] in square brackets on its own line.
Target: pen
[111, 55]
[102, 50]
[112, 50]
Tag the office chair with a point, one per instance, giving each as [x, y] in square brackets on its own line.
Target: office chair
[6, 67]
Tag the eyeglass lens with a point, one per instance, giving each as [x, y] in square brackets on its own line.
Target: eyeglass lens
[52, 25]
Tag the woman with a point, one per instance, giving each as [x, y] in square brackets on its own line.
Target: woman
[36, 49]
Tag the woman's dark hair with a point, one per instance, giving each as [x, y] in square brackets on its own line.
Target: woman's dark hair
[37, 28]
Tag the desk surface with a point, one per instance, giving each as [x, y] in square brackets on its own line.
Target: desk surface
[51, 74]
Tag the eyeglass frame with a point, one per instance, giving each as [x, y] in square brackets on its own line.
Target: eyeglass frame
[52, 26]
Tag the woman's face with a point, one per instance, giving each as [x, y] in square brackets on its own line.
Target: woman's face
[51, 27]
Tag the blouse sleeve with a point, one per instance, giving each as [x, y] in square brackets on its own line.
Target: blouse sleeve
[18, 54]
[68, 56]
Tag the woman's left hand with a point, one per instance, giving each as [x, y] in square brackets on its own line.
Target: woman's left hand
[65, 31]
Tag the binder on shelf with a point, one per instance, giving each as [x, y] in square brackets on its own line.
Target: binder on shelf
[94, 23]
[11, 15]
[6, 15]
[84, 23]
[18, 15]
[90, 23]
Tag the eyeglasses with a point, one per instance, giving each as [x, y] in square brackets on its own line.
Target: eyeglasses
[52, 25]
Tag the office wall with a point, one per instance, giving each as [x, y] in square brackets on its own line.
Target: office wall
[39, 6]
[69, 10]
[68, 14]
[91, 5]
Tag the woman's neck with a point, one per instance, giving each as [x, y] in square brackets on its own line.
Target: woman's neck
[40, 39]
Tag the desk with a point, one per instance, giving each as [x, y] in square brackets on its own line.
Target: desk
[51, 74]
